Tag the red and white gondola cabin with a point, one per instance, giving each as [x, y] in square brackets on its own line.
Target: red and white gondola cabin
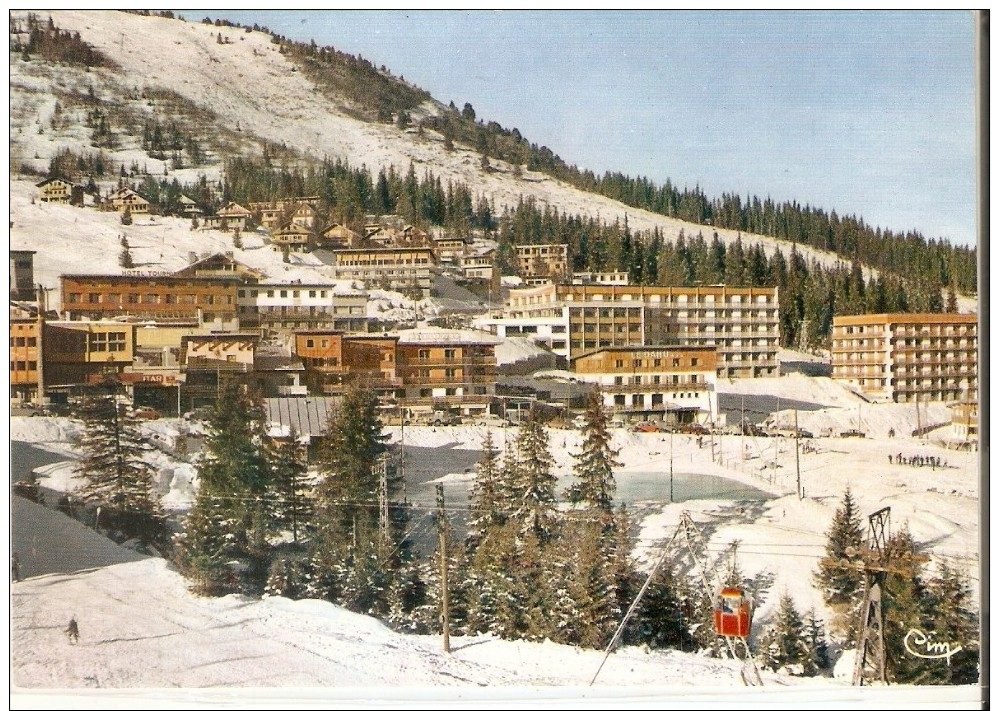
[733, 613]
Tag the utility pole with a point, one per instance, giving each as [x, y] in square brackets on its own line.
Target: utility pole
[381, 469]
[919, 424]
[672, 427]
[442, 530]
[742, 441]
[797, 456]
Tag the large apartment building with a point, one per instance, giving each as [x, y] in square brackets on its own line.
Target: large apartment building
[92, 297]
[272, 305]
[387, 267]
[740, 323]
[419, 369]
[674, 383]
[908, 357]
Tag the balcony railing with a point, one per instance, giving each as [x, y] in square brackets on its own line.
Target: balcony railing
[448, 381]
[657, 387]
[292, 390]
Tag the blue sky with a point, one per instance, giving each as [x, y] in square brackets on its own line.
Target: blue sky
[866, 113]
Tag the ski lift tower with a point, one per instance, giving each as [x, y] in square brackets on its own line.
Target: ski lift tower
[870, 664]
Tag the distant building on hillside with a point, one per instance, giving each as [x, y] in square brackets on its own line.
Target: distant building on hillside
[57, 190]
[907, 357]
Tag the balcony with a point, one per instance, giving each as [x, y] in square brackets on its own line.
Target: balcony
[292, 390]
[456, 362]
[221, 366]
[450, 400]
[446, 381]
[654, 388]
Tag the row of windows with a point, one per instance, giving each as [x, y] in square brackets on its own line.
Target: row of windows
[653, 362]
[655, 399]
[381, 262]
[19, 365]
[149, 298]
[21, 342]
[656, 379]
[107, 342]
[763, 299]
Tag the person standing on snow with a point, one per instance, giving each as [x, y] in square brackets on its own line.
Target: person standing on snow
[73, 631]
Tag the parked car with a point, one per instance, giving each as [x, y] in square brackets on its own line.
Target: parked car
[694, 428]
[647, 427]
[852, 433]
[145, 413]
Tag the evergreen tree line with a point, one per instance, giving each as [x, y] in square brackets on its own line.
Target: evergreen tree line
[47, 41]
[936, 602]
[528, 566]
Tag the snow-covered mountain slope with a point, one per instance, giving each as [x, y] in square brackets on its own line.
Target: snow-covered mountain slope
[250, 89]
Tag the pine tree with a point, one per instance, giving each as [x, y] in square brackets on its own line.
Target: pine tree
[581, 584]
[953, 620]
[126, 216]
[289, 485]
[125, 256]
[782, 646]
[349, 545]
[596, 461]
[534, 492]
[119, 481]
[231, 513]
[485, 500]
[905, 607]
[661, 619]
[814, 640]
[840, 575]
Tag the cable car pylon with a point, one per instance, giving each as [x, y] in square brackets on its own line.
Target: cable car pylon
[712, 586]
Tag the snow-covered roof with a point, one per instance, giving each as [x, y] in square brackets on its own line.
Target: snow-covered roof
[433, 334]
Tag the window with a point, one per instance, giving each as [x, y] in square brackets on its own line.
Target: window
[19, 341]
[450, 353]
[424, 354]
[113, 298]
[450, 373]
[116, 341]
[693, 361]
[284, 293]
[619, 363]
[426, 392]
[132, 298]
[451, 391]
[151, 299]
[309, 343]
[94, 298]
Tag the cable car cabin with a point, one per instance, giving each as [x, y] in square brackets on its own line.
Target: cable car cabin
[733, 613]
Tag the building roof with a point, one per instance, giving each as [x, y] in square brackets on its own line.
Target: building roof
[307, 415]
[637, 348]
[430, 335]
[54, 179]
[905, 318]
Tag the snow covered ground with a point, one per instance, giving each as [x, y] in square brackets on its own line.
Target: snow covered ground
[142, 629]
